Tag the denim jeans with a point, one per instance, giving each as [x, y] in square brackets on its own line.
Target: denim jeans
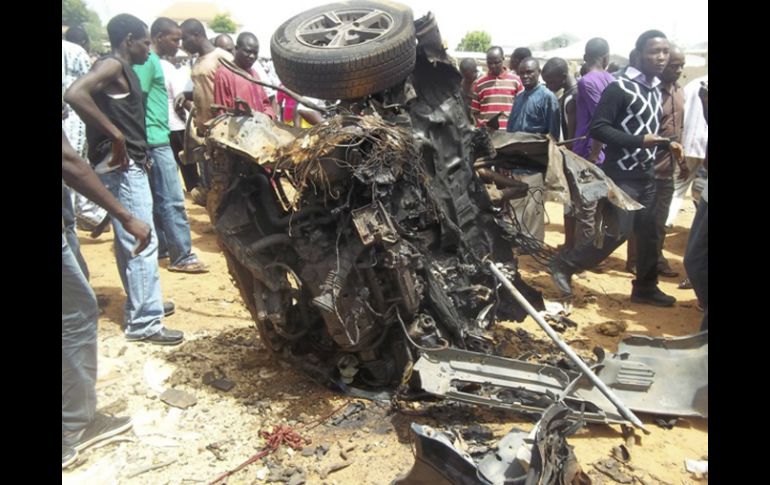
[79, 313]
[170, 216]
[139, 274]
[68, 220]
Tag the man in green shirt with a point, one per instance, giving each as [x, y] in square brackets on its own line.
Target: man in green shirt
[169, 213]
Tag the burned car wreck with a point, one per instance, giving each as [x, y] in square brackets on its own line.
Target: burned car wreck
[361, 240]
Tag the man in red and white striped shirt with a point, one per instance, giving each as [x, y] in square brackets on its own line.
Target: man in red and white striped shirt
[494, 93]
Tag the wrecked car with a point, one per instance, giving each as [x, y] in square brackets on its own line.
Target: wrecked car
[360, 242]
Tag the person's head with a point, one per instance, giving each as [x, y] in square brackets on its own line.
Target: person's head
[675, 66]
[518, 54]
[166, 35]
[224, 41]
[653, 50]
[246, 50]
[129, 36]
[495, 58]
[193, 36]
[584, 69]
[633, 58]
[613, 67]
[468, 69]
[77, 35]
[555, 73]
[529, 72]
[597, 52]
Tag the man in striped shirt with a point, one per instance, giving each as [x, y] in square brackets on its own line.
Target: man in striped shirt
[494, 93]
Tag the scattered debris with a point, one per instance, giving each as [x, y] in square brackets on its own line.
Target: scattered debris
[334, 468]
[178, 398]
[612, 329]
[613, 469]
[667, 423]
[210, 379]
[351, 412]
[621, 453]
[700, 467]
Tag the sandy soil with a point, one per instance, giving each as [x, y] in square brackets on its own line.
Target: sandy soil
[173, 446]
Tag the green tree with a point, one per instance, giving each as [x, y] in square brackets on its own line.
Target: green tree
[75, 12]
[476, 41]
[222, 24]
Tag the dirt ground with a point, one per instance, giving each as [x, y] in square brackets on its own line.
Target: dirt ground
[169, 445]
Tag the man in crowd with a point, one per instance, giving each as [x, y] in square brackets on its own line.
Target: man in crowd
[627, 119]
[81, 425]
[536, 110]
[493, 94]
[109, 100]
[671, 125]
[228, 85]
[171, 224]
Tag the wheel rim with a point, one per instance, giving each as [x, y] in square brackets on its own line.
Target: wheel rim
[344, 28]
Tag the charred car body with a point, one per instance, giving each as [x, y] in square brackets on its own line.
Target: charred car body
[344, 236]
[361, 242]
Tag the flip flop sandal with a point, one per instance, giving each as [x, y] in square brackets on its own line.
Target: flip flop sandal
[193, 267]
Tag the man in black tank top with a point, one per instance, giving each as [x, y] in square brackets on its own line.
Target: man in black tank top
[109, 100]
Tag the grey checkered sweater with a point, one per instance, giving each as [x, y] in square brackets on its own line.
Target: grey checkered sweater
[626, 112]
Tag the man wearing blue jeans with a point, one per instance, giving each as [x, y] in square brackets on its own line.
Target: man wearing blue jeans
[170, 216]
[109, 99]
[81, 425]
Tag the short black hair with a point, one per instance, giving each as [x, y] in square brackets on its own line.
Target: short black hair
[77, 35]
[123, 24]
[162, 25]
[596, 48]
[650, 34]
[467, 63]
[521, 53]
[495, 48]
[193, 26]
[527, 59]
[556, 65]
[243, 37]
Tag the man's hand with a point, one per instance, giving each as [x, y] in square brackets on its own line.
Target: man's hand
[119, 154]
[179, 102]
[141, 231]
[651, 140]
[677, 151]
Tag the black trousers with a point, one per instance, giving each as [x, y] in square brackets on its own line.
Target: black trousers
[696, 258]
[664, 194]
[585, 255]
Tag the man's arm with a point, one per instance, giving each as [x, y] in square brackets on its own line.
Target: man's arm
[222, 92]
[603, 124]
[553, 116]
[80, 97]
[570, 113]
[79, 175]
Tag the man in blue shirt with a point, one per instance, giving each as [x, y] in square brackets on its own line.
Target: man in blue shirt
[536, 110]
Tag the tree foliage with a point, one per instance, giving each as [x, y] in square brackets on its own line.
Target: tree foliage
[222, 24]
[476, 41]
[75, 12]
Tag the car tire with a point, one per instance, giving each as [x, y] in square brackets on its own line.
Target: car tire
[326, 53]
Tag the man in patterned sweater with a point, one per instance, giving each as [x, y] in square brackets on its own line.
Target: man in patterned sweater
[627, 119]
[493, 94]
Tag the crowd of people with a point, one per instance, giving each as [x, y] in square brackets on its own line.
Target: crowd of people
[125, 117]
